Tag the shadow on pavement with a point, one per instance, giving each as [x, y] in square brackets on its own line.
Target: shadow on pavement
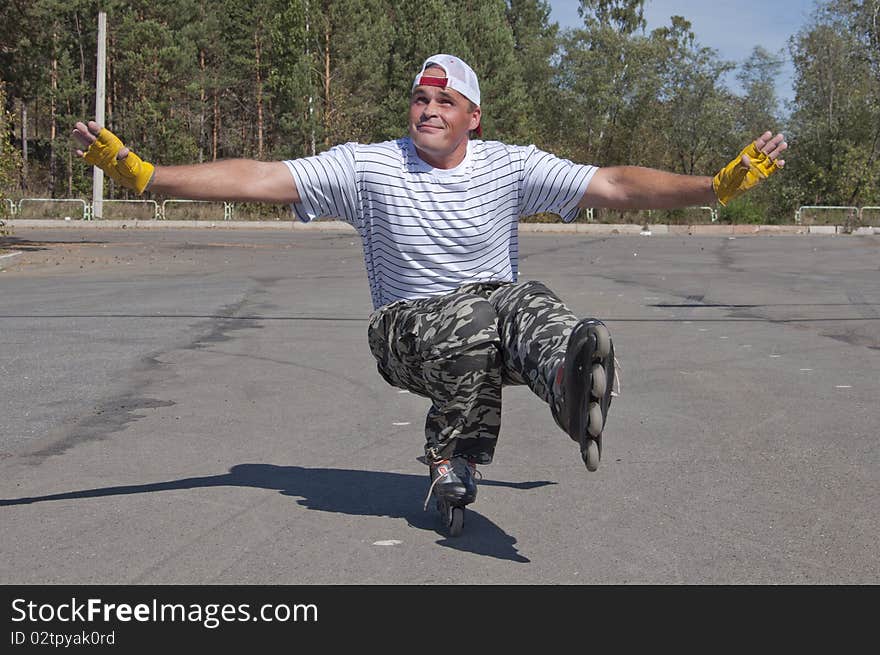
[361, 493]
[30, 246]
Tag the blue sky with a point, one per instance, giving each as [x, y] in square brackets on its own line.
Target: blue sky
[732, 27]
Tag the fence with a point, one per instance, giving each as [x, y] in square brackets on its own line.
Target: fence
[820, 214]
[682, 216]
[869, 216]
[255, 212]
[199, 209]
[148, 209]
[844, 215]
[86, 207]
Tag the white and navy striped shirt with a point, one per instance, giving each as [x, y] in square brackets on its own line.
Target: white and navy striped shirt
[425, 230]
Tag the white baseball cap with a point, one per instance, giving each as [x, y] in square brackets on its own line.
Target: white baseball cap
[459, 76]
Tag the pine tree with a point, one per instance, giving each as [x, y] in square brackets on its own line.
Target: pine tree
[535, 41]
[10, 162]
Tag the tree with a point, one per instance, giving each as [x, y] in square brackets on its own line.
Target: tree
[624, 16]
[836, 118]
[489, 47]
[10, 162]
[291, 81]
[535, 41]
[598, 74]
[760, 106]
[699, 111]
[357, 44]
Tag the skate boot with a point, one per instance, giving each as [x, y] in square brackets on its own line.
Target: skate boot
[453, 485]
[584, 381]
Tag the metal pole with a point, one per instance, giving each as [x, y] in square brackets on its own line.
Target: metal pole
[97, 173]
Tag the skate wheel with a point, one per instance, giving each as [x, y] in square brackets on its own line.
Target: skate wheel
[600, 382]
[592, 455]
[596, 422]
[456, 521]
[603, 341]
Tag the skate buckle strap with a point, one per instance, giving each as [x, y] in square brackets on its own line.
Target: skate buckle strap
[443, 467]
[617, 385]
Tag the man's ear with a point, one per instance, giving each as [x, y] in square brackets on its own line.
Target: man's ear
[476, 117]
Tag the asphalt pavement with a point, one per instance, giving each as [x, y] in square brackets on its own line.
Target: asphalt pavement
[200, 407]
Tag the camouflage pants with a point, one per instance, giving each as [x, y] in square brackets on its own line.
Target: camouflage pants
[458, 350]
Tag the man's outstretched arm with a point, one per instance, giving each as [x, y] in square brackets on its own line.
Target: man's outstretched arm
[239, 180]
[633, 187]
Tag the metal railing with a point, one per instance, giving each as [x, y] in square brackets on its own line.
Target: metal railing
[850, 211]
[86, 207]
[862, 214]
[713, 213]
[851, 215]
[152, 204]
[228, 207]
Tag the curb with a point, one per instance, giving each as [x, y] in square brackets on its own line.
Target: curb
[153, 224]
[548, 228]
[6, 259]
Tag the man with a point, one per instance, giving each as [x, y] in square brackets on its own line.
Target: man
[437, 213]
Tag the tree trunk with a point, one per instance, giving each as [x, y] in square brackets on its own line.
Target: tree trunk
[69, 162]
[203, 95]
[202, 99]
[327, 79]
[310, 117]
[215, 127]
[24, 146]
[82, 63]
[259, 90]
[53, 76]
[111, 85]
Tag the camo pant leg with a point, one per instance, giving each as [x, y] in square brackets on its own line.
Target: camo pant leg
[446, 348]
[534, 325]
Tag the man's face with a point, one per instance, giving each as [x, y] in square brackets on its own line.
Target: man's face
[440, 121]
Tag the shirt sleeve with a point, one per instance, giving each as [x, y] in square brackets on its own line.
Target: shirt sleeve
[553, 185]
[327, 185]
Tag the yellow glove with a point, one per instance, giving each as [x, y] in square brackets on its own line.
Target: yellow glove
[130, 171]
[736, 178]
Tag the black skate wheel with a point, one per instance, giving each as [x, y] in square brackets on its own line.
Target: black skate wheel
[456, 521]
[592, 455]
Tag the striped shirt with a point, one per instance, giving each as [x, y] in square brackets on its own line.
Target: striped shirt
[427, 231]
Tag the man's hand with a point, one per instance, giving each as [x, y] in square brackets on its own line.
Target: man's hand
[757, 161]
[106, 151]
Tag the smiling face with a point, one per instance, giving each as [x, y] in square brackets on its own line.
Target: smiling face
[440, 121]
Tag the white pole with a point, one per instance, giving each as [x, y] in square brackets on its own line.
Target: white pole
[98, 174]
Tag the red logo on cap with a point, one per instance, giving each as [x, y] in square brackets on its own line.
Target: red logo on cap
[427, 80]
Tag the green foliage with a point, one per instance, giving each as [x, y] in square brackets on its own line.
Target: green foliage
[836, 122]
[9, 164]
[10, 160]
[759, 107]
[193, 80]
[743, 210]
[489, 47]
[624, 16]
[535, 41]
